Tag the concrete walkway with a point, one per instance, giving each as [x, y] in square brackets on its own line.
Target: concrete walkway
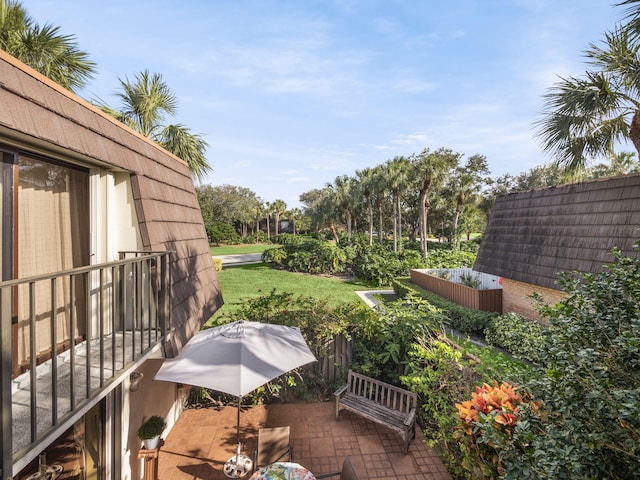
[203, 440]
[239, 259]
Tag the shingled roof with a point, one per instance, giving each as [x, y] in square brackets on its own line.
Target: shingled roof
[40, 114]
[532, 236]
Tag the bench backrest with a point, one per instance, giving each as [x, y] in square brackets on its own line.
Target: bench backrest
[390, 396]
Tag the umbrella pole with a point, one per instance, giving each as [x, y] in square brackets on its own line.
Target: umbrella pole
[238, 427]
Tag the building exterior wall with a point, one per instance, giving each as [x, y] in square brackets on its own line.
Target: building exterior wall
[516, 298]
[153, 199]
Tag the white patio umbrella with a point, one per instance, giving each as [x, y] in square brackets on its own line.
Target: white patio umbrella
[237, 358]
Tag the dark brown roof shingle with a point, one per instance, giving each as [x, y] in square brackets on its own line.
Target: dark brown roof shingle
[532, 236]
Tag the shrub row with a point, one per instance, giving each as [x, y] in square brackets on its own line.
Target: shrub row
[523, 338]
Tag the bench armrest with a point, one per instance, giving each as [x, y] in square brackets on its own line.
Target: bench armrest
[340, 391]
[411, 418]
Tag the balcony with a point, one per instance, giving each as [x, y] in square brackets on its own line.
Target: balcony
[69, 338]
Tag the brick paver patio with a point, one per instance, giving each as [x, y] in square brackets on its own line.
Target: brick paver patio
[202, 440]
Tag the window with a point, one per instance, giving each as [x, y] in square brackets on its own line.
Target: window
[45, 229]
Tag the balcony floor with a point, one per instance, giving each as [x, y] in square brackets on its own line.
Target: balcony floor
[123, 355]
[202, 440]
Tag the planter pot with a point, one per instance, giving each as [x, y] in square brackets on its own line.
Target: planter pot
[151, 443]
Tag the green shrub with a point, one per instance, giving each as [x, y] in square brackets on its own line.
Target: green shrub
[523, 338]
[379, 265]
[277, 256]
[463, 319]
[441, 377]
[217, 264]
[384, 338]
[220, 232]
[450, 259]
[588, 424]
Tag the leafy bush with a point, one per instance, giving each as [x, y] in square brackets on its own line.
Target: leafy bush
[523, 338]
[275, 255]
[220, 232]
[151, 427]
[384, 338]
[217, 264]
[447, 258]
[379, 265]
[289, 239]
[441, 376]
[490, 420]
[589, 384]
[309, 256]
[463, 319]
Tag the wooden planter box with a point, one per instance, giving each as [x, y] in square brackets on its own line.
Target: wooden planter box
[489, 300]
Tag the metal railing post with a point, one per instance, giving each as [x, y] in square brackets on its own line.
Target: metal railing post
[6, 347]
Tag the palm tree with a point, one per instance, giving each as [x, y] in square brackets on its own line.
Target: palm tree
[146, 101]
[379, 187]
[268, 208]
[396, 175]
[430, 168]
[43, 48]
[279, 207]
[324, 212]
[343, 187]
[367, 179]
[585, 117]
[465, 184]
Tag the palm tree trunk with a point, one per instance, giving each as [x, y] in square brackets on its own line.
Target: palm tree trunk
[422, 218]
[370, 215]
[395, 224]
[634, 131]
[379, 203]
[399, 224]
[268, 229]
[332, 227]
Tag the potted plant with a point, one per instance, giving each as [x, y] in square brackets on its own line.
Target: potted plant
[150, 431]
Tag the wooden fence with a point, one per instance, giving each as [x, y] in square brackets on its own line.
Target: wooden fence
[485, 300]
[334, 359]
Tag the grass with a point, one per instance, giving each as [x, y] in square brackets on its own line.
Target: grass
[252, 281]
[247, 248]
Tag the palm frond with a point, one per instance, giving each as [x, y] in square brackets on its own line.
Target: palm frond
[188, 146]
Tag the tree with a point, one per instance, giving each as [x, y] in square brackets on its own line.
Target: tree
[430, 169]
[395, 175]
[585, 117]
[228, 204]
[146, 101]
[43, 48]
[324, 211]
[465, 183]
[278, 208]
[344, 189]
[366, 177]
[619, 164]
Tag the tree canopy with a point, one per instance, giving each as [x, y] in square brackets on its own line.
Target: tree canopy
[43, 47]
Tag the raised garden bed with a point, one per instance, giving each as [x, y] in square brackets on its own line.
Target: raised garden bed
[484, 295]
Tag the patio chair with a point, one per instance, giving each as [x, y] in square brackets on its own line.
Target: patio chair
[347, 473]
[274, 445]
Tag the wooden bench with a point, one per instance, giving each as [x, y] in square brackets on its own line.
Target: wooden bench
[379, 402]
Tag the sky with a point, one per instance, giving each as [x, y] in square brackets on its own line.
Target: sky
[290, 94]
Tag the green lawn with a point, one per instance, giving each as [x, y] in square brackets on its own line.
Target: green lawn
[252, 281]
[249, 248]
